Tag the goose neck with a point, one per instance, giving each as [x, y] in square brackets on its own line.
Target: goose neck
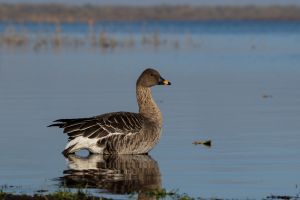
[147, 105]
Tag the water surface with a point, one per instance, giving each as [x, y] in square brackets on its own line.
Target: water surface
[239, 88]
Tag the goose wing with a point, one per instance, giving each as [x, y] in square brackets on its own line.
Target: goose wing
[102, 125]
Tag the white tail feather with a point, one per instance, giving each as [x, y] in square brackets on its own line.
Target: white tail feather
[81, 142]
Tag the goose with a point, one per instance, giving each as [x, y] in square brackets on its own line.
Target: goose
[119, 132]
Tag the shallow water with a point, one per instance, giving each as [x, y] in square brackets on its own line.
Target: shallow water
[240, 88]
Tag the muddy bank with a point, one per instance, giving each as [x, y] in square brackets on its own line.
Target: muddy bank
[59, 13]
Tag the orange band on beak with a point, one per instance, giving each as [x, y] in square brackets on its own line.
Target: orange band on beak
[166, 82]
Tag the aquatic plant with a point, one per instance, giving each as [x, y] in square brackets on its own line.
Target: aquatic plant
[2, 195]
[164, 194]
[11, 39]
[68, 195]
[81, 194]
[59, 195]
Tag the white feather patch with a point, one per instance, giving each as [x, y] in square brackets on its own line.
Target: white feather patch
[84, 143]
[90, 144]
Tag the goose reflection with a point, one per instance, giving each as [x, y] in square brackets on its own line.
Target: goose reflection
[118, 174]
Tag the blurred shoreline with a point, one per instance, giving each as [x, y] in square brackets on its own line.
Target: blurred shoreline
[59, 13]
[116, 36]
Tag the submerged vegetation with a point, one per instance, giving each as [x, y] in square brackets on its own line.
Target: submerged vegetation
[13, 39]
[84, 195]
[66, 194]
[59, 195]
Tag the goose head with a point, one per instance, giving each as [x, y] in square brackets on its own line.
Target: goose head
[151, 77]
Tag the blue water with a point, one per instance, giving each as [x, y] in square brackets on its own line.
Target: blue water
[211, 27]
[239, 87]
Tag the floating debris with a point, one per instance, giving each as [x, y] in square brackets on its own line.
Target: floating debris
[266, 96]
[203, 142]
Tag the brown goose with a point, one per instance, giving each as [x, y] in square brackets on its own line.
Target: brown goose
[119, 132]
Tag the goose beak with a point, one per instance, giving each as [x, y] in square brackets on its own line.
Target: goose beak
[163, 81]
